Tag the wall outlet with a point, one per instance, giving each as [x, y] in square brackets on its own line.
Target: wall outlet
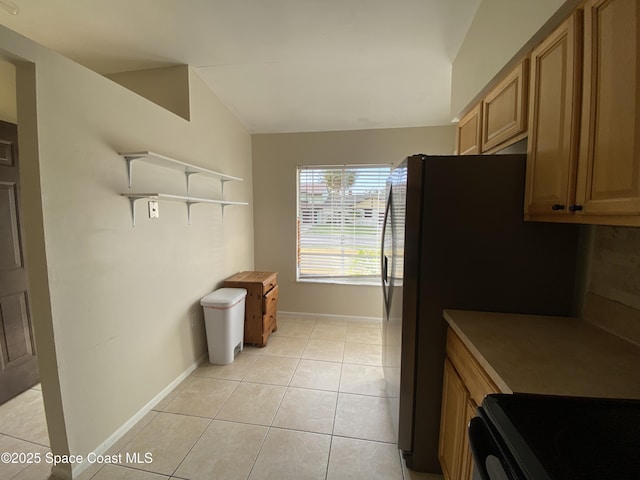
[154, 210]
[194, 319]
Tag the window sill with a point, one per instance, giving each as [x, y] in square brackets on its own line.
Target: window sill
[342, 281]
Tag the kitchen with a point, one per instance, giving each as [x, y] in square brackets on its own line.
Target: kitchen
[607, 254]
[565, 92]
[612, 273]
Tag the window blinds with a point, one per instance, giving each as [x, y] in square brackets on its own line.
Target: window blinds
[340, 217]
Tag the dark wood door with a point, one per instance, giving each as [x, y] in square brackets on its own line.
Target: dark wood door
[18, 363]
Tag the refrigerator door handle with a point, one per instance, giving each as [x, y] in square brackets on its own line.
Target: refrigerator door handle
[385, 270]
[384, 259]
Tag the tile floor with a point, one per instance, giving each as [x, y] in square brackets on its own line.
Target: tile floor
[23, 428]
[307, 406]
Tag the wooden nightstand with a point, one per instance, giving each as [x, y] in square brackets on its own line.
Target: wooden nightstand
[260, 316]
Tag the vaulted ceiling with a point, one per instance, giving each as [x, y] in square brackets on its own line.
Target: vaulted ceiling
[279, 65]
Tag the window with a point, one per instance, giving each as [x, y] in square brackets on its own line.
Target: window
[340, 217]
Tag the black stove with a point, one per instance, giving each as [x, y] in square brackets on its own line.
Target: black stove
[540, 437]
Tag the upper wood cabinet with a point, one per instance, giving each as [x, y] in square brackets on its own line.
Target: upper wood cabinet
[469, 133]
[504, 110]
[584, 157]
[499, 119]
[554, 114]
[609, 167]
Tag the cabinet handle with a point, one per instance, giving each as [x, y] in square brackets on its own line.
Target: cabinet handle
[575, 208]
[557, 206]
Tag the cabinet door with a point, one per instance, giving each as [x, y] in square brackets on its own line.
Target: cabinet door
[554, 107]
[504, 112]
[466, 472]
[469, 133]
[452, 423]
[609, 168]
[476, 381]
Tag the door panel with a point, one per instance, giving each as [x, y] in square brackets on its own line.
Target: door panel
[10, 256]
[16, 334]
[18, 362]
[6, 153]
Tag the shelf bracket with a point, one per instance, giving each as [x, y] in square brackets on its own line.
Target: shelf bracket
[222, 182]
[223, 206]
[130, 159]
[132, 203]
[188, 177]
[189, 211]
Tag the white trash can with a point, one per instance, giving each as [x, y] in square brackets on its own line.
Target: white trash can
[224, 322]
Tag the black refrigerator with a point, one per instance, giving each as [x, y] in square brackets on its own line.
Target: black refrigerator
[454, 237]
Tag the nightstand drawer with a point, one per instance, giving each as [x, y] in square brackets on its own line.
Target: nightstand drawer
[270, 301]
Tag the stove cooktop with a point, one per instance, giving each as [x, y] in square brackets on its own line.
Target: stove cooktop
[569, 438]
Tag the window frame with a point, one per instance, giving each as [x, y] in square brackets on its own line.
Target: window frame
[368, 216]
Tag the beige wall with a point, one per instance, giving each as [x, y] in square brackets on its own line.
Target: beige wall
[116, 307]
[613, 293]
[8, 111]
[167, 87]
[615, 265]
[275, 158]
[498, 31]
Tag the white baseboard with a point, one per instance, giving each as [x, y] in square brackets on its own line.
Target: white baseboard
[320, 316]
[118, 434]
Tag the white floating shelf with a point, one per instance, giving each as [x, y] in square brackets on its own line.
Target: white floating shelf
[179, 198]
[134, 197]
[167, 162]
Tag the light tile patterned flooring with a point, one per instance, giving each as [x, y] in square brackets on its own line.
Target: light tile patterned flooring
[307, 406]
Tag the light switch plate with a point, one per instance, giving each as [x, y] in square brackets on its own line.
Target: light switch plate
[154, 210]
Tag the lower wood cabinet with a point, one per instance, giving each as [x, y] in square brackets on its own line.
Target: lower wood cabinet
[261, 304]
[467, 459]
[455, 399]
[465, 385]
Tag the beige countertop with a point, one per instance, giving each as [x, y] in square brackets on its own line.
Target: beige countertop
[549, 355]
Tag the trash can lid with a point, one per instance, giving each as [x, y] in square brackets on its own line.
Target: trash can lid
[223, 297]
